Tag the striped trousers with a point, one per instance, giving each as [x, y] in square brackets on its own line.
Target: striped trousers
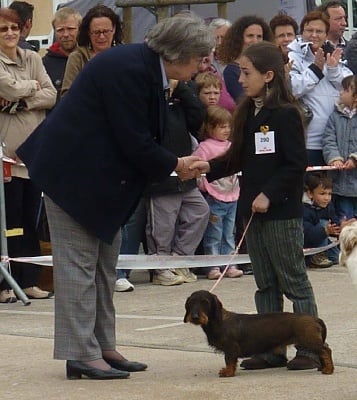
[276, 251]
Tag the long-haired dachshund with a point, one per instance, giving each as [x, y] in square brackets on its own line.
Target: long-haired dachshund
[348, 245]
[245, 335]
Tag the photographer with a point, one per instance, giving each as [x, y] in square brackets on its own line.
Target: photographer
[316, 75]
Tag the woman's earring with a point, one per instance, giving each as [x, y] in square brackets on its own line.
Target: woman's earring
[90, 45]
[267, 89]
[114, 43]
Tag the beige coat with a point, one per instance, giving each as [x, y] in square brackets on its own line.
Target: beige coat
[18, 81]
[76, 61]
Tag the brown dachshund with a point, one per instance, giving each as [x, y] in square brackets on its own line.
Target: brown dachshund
[245, 335]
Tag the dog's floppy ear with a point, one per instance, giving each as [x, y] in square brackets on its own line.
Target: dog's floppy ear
[216, 308]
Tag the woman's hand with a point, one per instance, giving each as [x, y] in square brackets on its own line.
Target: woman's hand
[185, 170]
[332, 59]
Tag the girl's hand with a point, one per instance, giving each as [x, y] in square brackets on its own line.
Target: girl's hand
[261, 203]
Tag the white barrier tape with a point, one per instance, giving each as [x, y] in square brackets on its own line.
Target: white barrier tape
[140, 261]
[310, 168]
[321, 168]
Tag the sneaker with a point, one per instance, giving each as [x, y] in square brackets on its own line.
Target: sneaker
[214, 273]
[35, 292]
[7, 296]
[187, 275]
[320, 260]
[123, 285]
[167, 278]
[234, 272]
[246, 268]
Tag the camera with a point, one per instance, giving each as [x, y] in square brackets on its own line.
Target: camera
[327, 47]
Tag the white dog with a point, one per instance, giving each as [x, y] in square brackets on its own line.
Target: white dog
[348, 246]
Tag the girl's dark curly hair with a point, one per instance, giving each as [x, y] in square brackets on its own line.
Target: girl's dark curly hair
[233, 41]
[99, 11]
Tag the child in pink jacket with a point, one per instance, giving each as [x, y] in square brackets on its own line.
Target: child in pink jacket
[221, 194]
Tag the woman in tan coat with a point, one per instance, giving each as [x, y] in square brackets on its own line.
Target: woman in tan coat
[26, 92]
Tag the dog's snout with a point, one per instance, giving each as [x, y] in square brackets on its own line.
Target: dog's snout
[195, 316]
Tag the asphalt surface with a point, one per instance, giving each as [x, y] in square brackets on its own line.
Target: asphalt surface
[181, 364]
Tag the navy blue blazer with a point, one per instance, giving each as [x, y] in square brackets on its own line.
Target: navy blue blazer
[96, 151]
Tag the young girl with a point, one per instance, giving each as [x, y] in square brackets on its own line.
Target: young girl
[340, 149]
[221, 194]
[268, 147]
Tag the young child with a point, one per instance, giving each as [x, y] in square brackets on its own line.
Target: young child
[209, 88]
[177, 213]
[221, 194]
[340, 149]
[320, 220]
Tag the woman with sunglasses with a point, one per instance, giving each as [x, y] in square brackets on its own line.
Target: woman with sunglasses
[100, 30]
[26, 92]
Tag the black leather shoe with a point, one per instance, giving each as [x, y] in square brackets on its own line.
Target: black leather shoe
[126, 365]
[75, 370]
[302, 362]
[260, 363]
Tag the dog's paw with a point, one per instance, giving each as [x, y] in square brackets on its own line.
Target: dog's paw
[328, 370]
[227, 372]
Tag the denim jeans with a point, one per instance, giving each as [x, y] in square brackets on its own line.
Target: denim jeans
[133, 233]
[219, 236]
[345, 206]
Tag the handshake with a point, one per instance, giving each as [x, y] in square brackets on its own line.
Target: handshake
[191, 167]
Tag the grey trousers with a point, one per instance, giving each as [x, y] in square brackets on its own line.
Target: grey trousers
[176, 223]
[84, 279]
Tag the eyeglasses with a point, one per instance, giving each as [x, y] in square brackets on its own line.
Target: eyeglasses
[14, 28]
[104, 32]
[317, 32]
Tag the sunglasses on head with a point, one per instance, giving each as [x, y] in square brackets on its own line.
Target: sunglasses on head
[14, 28]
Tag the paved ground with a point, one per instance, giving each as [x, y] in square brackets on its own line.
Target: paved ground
[181, 365]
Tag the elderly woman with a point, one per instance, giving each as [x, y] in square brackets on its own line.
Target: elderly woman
[316, 76]
[100, 29]
[26, 92]
[92, 157]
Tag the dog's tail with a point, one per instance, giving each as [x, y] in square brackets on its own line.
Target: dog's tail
[323, 328]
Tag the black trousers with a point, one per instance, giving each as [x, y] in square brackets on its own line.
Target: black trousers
[22, 202]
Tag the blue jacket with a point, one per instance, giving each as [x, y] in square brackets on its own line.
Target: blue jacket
[96, 151]
[314, 231]
[340, 143]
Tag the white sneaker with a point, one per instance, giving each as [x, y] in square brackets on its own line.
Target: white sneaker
[123, 285]
[187, 275]
[167, 278]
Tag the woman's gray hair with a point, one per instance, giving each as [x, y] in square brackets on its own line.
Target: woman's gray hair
[180, 38]
[219, 22]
